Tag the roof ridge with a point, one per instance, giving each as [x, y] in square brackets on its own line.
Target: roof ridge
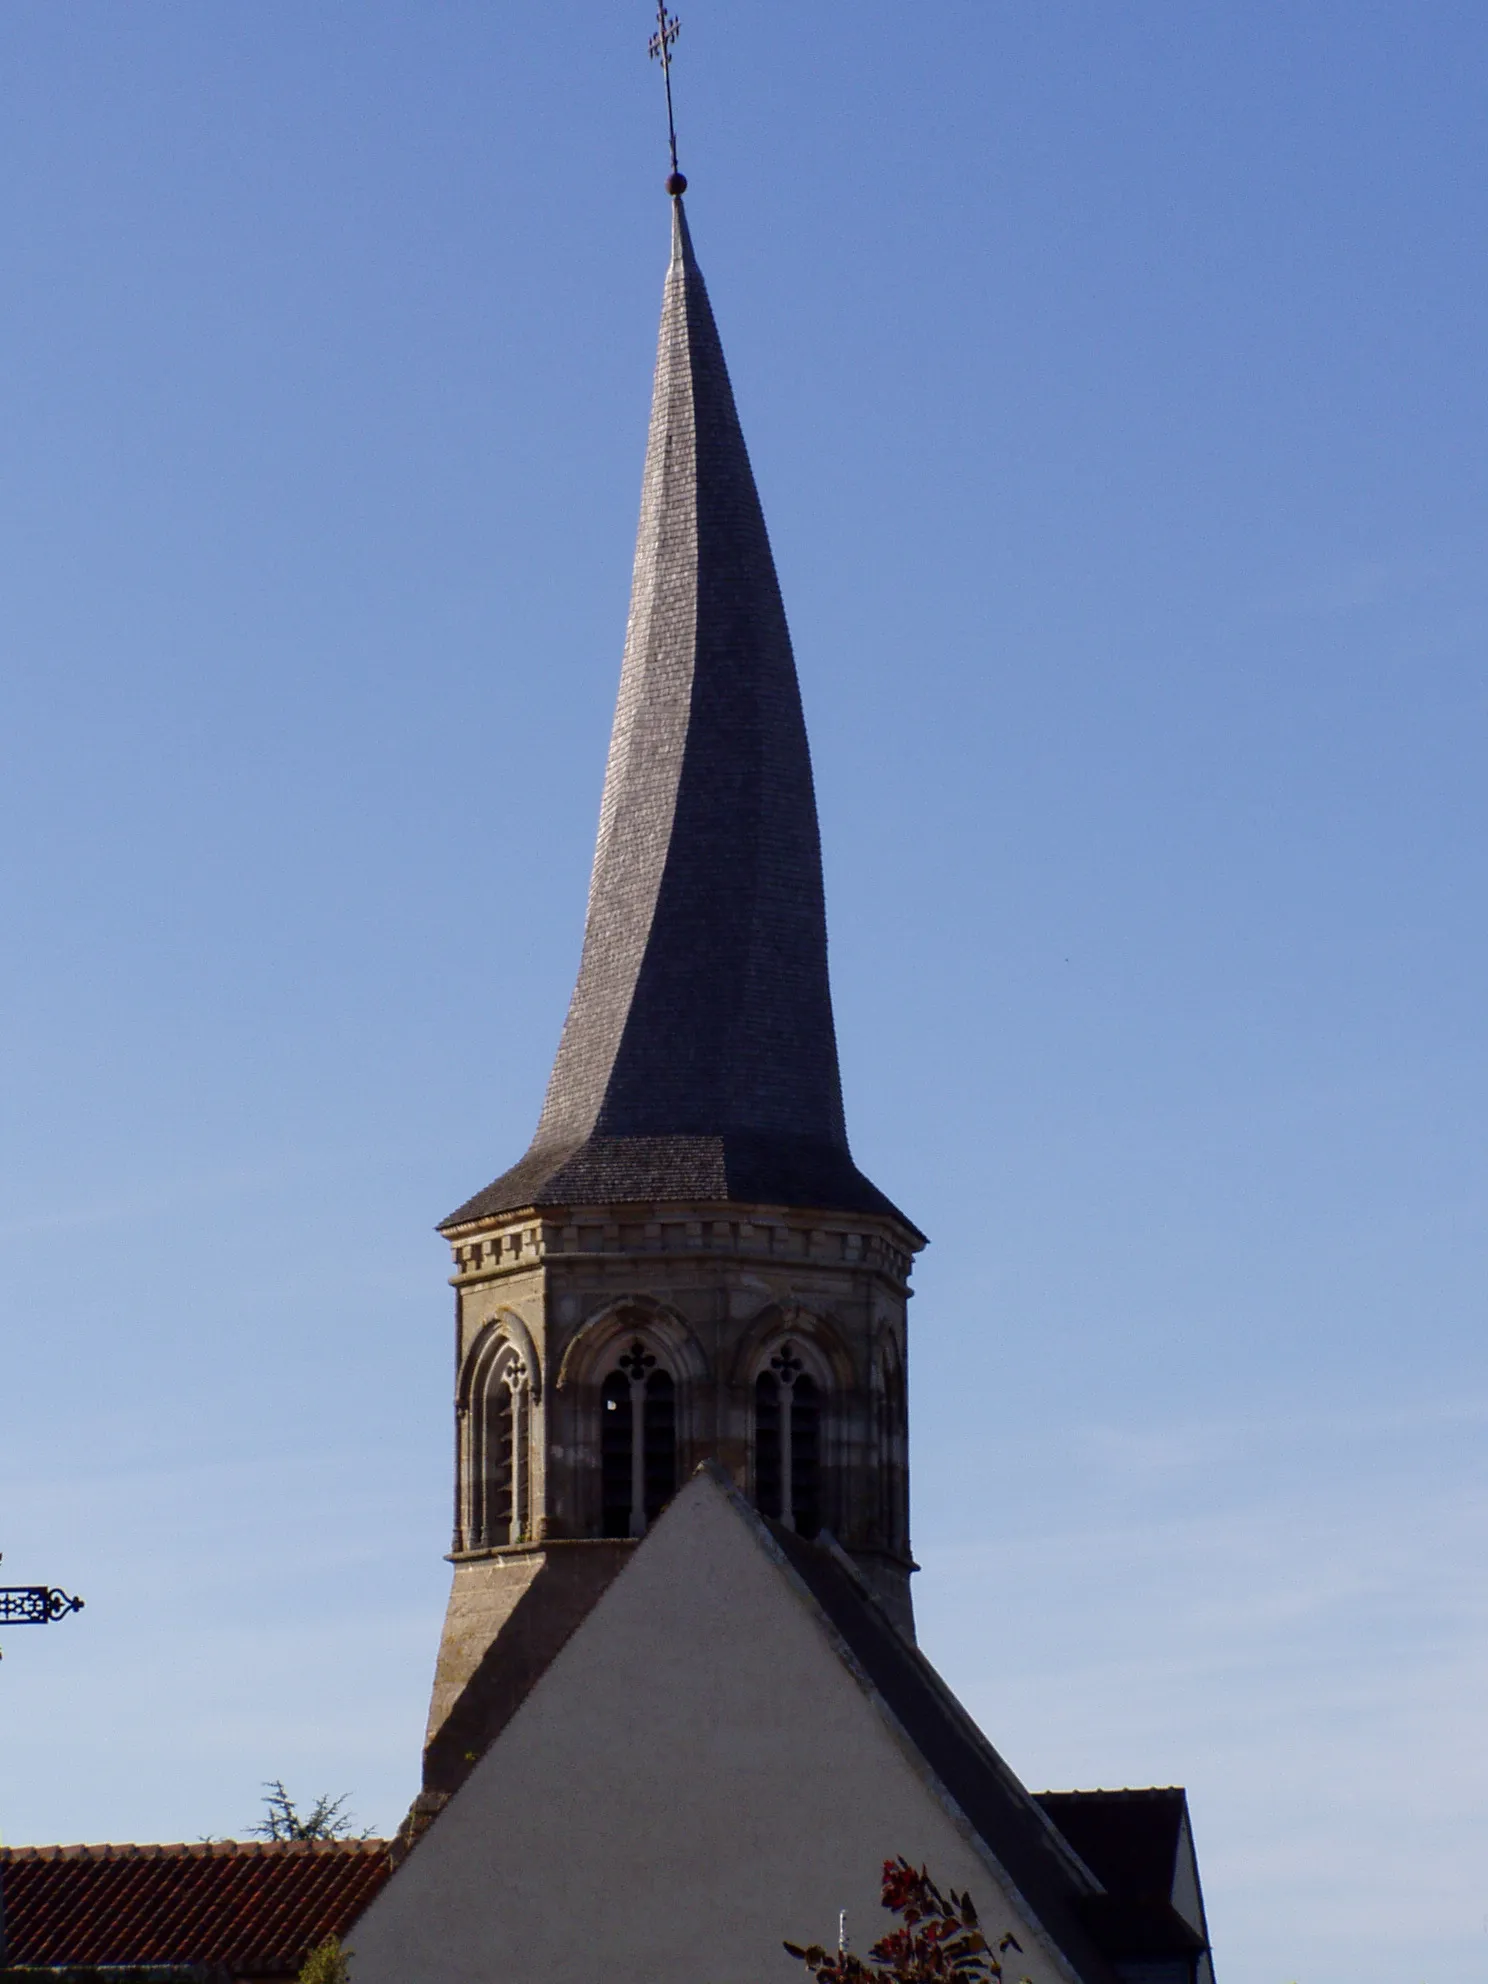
[199, 1849]
[1121, 1791]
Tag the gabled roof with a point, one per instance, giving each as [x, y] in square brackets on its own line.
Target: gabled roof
[1036, 1854]
[1111, 1874]
[1140, 1846]
[250, 1909]
[737, 1719]
[699, 1059]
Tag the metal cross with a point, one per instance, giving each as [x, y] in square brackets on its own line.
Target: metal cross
[34, 1604]
[668, 27]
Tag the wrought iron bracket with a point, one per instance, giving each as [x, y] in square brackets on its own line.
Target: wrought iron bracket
[34, 1604]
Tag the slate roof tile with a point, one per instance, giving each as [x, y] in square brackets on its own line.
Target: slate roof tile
[1131, 1840]
[699, 1058]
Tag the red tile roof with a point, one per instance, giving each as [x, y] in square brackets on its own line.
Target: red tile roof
[252, 1908]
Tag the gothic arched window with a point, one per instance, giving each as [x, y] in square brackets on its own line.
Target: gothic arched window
[500, 1441]
[637, 1443]
[787, 1442]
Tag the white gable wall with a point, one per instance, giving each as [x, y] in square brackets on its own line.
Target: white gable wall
[698, 1775]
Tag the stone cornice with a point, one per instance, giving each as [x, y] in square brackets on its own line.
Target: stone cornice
[491, 1250]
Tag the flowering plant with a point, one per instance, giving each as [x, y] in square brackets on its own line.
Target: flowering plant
[939, 1942]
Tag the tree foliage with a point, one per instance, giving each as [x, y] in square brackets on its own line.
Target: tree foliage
[327, 1818]
[326, 1964]
[940, 1940]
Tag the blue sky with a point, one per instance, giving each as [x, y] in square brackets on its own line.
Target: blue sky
[1113, 378]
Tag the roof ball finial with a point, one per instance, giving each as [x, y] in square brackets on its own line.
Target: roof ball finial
[676, 183]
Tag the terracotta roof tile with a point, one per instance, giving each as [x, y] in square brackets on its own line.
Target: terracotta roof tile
[251, 1907]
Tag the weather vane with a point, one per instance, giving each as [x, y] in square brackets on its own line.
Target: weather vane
[667, 29]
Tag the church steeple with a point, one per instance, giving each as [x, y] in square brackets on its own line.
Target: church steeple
[686, 1266]
[699, 1057]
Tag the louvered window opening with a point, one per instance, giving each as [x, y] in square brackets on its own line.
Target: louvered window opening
[637, 1443]
[501, 1495]
[787, 1444]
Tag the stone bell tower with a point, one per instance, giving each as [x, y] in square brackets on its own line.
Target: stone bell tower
[687, 1264]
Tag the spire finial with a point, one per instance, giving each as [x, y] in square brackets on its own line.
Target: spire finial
[668, 27]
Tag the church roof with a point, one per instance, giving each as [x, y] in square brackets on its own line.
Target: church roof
[753, 1736]
[1139, 1845]
[244, 1909]
[699, 1058]
[1049, 1872]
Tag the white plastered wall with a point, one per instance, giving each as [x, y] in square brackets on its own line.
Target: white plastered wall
[698, 1775]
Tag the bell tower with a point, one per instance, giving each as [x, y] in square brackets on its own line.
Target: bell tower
[686, 1265]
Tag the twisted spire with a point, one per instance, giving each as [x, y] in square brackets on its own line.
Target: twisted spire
[699, 1058]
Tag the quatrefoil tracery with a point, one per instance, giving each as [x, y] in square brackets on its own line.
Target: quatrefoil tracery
[636, 1362]
[786, 1365]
